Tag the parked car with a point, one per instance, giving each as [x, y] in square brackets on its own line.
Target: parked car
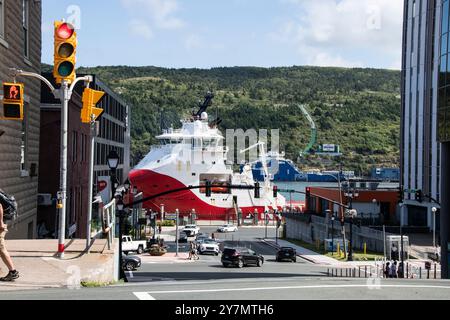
[227, 228]
[241, 257]
[130, 263]
[191, 229]
[209, 246]
[130, 245]
[286, 253]
[183, 237]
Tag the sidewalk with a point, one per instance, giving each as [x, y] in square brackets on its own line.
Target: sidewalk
[40, 268]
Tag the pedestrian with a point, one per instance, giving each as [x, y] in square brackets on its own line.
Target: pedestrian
[387, 269]
[394, 270]
[400, 271]
[13, 274]
[159, 228]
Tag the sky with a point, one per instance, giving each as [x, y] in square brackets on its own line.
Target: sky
[223, 33]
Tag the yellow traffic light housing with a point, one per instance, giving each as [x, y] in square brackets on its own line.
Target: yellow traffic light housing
[12, 101]
[65, 51]
[90, 99]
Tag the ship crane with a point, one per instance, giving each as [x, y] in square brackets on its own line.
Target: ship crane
[263, 156]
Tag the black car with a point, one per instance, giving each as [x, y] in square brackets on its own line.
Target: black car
[130, 263]
[286, 253]
[241, 257]
[183, 237]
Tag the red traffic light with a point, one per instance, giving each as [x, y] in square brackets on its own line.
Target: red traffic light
[65, 31]
[308, 191]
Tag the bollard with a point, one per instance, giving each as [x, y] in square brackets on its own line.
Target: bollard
[365, 271]
[346, 272]
[420, 272]
[341, 272]
[428, 273]
[407, 270]
[328, 272]
[354, 272]
[359, 272]
[435, 270]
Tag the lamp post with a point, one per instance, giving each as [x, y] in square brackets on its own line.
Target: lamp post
[374, 201]
[350, 195]
[120, 211]
[434, 210]
[113, 163]
[332, 234]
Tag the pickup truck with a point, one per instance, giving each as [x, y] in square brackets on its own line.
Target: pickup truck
[128, 245]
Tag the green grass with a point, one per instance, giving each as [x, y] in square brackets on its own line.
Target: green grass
[357, 254]
[96, 284]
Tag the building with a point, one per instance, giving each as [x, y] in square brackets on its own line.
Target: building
[377, 203]
[420, 150]
[112, 133]
[20, 47]
[443, 124]
[385, 174]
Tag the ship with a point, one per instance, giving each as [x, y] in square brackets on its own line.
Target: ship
[195, 155]
[329, 176]
[280, 169]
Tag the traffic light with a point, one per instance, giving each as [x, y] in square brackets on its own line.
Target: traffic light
[257, 195]
[275, 191]
[90, 99]
[308, 192]
[400, 195]
[419, 195]
[12, 101]
[65, 51]
[208, 188]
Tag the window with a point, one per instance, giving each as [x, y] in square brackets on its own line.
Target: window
[25, 23]
[2, 19]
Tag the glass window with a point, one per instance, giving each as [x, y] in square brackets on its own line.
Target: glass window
[444, 41]
[25, 23]
[2, 19]
[442, 69]
[445, 14]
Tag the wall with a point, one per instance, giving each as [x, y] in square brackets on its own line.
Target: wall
[12, 179]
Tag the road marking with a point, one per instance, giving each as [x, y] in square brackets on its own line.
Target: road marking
[301, 287]
[143, 296]
[130, 273]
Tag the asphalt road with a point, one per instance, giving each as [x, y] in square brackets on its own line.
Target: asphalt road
[207, 279]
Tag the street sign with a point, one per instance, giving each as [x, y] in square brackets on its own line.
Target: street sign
[171, 216]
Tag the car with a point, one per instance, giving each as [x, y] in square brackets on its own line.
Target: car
[128, 244]
[227, 228]
[286, 253]
[209, 246]
[241, 257]
[183, 237]
[130, 263]
[191, 229]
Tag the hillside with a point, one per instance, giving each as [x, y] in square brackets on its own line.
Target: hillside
[359, 109]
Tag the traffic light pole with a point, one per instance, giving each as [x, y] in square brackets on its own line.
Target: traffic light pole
[91, 182]
[63, 94]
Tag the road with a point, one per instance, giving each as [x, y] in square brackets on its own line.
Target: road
[206, 279]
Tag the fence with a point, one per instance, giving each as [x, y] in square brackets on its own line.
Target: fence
[311, 228]
[108, 216]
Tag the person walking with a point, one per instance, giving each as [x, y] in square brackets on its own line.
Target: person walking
[387, 270]
[160, 229]
[13, 274]
[394, 270]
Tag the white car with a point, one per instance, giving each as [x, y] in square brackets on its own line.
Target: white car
[227, 228]
[209, 246]
[191, 229]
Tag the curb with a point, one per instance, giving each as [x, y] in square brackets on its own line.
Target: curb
[277, 247]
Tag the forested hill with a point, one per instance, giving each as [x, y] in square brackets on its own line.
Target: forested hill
[359, 109]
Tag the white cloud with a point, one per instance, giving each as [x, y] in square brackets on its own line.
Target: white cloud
[160, 12]
[323, 59]
[140, 28]
[325, 31]
[192, 42]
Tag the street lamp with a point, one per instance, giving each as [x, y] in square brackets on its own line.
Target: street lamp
[113, 163]
[350, 195]
[374, 201]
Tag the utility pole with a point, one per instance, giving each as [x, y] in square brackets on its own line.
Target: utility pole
[91, 182]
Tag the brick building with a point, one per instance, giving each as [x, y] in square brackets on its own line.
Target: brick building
[20, 47]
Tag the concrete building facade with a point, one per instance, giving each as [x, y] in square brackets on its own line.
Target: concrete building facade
[20, 47]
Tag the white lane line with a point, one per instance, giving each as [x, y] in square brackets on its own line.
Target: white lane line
[143, 296]
[130, 273]
[302, 287]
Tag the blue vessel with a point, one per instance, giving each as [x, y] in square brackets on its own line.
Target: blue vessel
[280, 169]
